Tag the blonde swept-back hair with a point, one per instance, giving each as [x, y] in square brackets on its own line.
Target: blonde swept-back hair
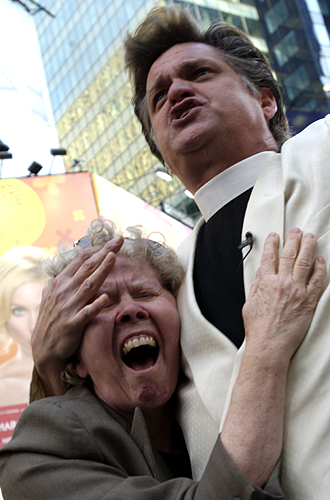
[161, 257]
[17, 266]
[173, 24]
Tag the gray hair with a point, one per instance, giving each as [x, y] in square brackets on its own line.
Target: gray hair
[161, 257]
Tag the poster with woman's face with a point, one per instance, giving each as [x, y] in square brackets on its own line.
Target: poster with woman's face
[38, 214]
[21, 283]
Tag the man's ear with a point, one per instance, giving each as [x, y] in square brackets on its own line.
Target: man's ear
[81, 370]
[268, 103]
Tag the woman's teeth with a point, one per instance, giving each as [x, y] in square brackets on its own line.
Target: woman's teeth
[137, 342]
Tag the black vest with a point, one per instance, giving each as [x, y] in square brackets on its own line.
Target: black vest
[218, 269]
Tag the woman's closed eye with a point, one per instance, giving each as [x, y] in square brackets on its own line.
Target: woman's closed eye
[144, 295]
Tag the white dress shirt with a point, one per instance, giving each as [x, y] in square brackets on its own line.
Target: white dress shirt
[229, 184]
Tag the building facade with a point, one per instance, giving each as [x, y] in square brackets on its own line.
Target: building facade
[82, 50]
[298, 39]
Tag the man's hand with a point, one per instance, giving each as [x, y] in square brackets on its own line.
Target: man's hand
[67, 306]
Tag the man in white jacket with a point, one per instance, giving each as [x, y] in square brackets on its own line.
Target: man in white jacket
[212, 111]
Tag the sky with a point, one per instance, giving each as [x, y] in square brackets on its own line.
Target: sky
[26, 122]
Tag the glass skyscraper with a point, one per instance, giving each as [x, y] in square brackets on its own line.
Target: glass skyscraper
[298, 38]
[82, 50]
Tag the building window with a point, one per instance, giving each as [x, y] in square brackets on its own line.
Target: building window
[286, 48]
[276, 16]
[297, 82]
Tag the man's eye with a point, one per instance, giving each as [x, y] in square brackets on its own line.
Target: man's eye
[159, 98]
[201, 72]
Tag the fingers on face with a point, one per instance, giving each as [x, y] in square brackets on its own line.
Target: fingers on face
[91, 310]
[87, 271]
[95, 271]
[95, 259]
[88, 259]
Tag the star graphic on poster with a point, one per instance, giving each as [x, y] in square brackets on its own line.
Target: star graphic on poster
[78, 215]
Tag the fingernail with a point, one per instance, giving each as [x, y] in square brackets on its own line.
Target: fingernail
[309, 235]
[320, 260]
[295, 230]
[271, 235]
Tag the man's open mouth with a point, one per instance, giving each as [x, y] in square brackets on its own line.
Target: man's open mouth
[184, 113]
[182, 109]
[140, 353]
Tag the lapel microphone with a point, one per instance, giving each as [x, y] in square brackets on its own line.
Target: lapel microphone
[246, 243]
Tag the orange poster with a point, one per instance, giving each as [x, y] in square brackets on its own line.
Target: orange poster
[9, 416]
[45, 211]
[37, 215]
[125, 210]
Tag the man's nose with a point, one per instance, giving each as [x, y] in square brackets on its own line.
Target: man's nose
[179, 90]
[130, 311]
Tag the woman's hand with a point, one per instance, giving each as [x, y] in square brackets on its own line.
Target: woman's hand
[283, 298]
[67, 306]
[276, 315]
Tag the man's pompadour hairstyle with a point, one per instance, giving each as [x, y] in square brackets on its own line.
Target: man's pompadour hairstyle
[174, 24]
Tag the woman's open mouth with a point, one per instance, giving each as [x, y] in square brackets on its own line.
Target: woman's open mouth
[140, 353]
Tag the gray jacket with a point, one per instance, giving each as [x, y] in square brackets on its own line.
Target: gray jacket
[75, 448]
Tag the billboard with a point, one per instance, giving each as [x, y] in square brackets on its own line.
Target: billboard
[125, 210]
[45, 211]
[37, 215]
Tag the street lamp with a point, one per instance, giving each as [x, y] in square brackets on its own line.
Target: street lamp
[4, 155]
[3, 146]
[56, 152]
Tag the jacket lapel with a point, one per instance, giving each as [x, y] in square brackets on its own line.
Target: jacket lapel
[264, 214]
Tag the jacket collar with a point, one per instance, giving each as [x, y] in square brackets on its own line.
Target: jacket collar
[139, 433]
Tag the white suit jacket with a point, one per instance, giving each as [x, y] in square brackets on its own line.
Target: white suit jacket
[293, 190]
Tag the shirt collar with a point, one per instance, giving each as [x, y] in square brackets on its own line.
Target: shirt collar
[229, 184]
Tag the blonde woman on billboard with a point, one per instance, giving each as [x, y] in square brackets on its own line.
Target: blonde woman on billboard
[21, 283]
